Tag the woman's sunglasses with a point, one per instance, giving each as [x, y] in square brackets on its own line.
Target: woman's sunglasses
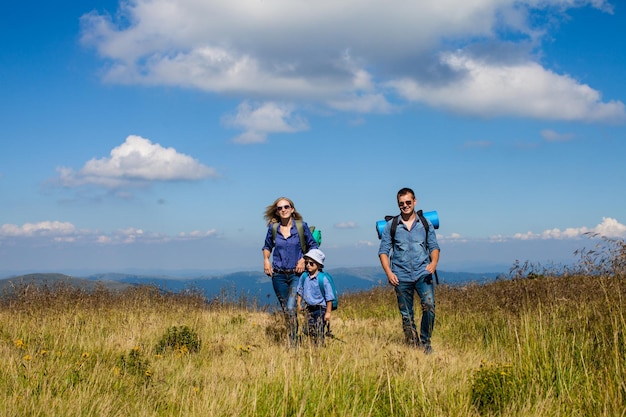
[285, 207]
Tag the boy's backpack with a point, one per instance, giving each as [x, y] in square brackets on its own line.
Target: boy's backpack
[320, 280]
[432, 216]
[317, 234]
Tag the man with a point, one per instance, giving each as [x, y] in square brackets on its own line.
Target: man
[413, 261]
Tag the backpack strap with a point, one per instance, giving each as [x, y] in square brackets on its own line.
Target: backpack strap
[299, 228]
[320, 281]
[420, 214]
[274, 231]
[425, 223]
[394, 225]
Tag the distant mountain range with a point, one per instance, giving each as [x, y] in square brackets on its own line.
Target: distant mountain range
[251, 284]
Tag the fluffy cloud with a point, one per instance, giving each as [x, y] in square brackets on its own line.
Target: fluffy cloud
[352, 56]
[45, 228]
[552, 136]
[609, 228]
[57, 231]
[346, 225]
[259, 120]
[136, 161]
[523, 88]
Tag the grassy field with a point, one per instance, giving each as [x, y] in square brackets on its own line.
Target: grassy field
[531, 346]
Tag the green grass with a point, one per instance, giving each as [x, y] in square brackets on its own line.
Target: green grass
[533, 346]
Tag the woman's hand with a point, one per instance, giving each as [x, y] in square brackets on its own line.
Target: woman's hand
[300, 266]
[267, 267]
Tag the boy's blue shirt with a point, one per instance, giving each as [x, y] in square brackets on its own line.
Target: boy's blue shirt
[409, 256]
[309, 290]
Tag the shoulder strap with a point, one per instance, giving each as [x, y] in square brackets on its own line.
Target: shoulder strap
[394, 226]
[420, 214]
[320, 281]
[300, 230]
[425, 223]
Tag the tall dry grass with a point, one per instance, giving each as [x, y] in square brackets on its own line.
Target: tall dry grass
[535, 345]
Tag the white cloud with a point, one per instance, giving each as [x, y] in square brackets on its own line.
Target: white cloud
[45, 228]
[609, 228]
[346, 225]
[198, 234]
[485, 88]
[478, 144]
[57, 231]
[347, 55]
[367, 103]
[552, 136]
[136, 161]
[257, 120]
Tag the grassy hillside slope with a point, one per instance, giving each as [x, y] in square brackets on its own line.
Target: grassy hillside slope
[524, 347]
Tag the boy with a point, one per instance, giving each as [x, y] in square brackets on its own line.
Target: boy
[318, 303]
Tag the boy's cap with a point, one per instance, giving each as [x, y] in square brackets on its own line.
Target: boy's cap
[317, 255]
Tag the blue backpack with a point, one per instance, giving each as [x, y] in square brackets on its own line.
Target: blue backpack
[320, 279]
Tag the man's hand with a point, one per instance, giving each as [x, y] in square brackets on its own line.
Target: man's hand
[393, 279]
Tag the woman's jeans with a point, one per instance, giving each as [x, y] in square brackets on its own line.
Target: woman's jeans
[285, 287]
[426, 292]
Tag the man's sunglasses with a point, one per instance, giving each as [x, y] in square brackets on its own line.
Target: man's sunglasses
[404, 203]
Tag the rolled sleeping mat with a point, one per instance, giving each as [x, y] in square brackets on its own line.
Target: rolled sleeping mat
[430, 215]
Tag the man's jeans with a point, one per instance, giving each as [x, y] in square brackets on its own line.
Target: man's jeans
[285, 287]
[426, 292]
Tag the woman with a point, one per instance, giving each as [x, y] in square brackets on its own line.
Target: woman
[287, 262]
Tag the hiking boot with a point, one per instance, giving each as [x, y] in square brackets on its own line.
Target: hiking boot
[428, 349]
[413, 343]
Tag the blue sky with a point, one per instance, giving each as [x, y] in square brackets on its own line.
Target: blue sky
[151, 135]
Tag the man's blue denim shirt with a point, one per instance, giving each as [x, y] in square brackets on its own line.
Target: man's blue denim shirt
[409, 256]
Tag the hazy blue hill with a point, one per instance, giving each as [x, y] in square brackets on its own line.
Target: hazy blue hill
[251, 284]
[51, 280]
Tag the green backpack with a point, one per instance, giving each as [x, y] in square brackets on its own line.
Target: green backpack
[317, 234]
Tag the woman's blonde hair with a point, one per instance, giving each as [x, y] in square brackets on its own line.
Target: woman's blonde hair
[271, 216]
